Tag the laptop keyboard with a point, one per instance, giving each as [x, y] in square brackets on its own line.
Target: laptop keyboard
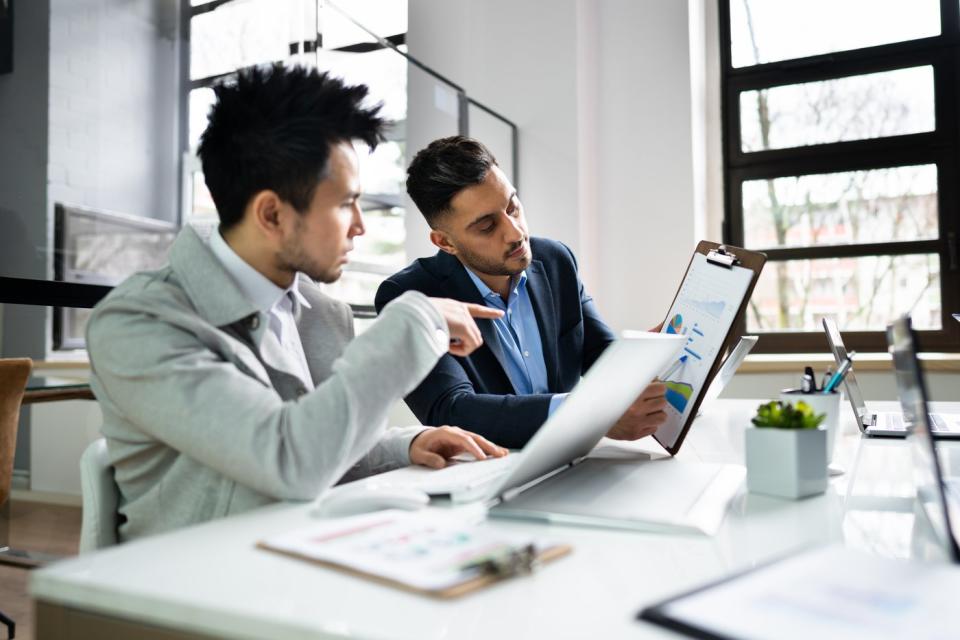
[455, 478]
[896, 421]
[467, 475]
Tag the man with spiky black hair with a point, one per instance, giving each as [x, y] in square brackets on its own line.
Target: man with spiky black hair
[227, 379]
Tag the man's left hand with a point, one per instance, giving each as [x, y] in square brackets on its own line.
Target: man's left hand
[644, 416]
[433, 447]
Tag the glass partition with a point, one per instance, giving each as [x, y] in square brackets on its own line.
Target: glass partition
[61, 253]
[497, 133]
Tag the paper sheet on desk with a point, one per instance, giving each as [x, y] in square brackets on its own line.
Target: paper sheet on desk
[829, 593]
[424, 550]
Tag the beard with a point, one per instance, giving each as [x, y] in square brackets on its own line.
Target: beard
[482, 264]
[293, 258]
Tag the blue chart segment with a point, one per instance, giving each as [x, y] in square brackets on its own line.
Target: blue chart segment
[678, 394]
[676, 324]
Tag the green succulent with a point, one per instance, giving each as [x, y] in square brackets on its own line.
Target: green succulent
[778, 415]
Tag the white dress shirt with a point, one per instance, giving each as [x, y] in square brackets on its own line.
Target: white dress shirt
[279, 305]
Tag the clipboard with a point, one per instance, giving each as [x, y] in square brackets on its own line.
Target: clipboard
[722, 264]
[828, 592]
[498, 557]
[659, 614]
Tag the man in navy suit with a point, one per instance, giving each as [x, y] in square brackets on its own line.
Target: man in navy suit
[551, 332]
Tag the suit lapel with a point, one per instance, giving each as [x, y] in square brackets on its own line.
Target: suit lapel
[463, 289]
[542, 298]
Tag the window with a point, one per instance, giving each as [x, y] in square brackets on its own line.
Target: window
[229, 35]
[840, 124]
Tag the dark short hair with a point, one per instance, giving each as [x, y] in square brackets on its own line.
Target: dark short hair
[442, 170]
[272, 127]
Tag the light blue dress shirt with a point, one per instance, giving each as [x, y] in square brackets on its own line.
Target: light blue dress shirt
[279, 305]
[520, 337]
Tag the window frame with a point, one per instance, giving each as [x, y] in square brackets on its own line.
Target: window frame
[940, 147]
[188, 160]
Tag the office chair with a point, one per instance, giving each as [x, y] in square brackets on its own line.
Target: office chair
[14, 373]
[100, 499]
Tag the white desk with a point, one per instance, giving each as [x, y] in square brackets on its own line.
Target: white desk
[211, 581]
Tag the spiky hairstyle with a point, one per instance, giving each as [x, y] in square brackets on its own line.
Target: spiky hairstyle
[271, 127]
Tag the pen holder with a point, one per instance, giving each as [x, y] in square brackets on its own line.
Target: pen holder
[825, 403]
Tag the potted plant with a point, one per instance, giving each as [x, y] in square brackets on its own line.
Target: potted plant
[786, 452]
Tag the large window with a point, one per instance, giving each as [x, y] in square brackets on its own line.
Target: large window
[840, 124]
[225, 36]
[363, 42]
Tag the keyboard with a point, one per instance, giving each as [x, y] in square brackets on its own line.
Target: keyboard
[458, 478]
[896, 421]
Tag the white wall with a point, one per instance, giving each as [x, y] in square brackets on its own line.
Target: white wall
[512, 57]
[601, 93]
[60, 431]
[646, 218]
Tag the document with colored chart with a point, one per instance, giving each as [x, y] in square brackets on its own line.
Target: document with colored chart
[703, 311]
[434, 551]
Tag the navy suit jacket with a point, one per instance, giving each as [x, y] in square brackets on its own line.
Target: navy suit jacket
[475, 392]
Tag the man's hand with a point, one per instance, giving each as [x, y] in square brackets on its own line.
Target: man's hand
[644, 416]
[464, 334]
[433, 447]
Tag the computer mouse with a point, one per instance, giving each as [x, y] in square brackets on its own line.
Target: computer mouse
[349, 500]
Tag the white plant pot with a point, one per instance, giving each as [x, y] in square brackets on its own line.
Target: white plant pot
[789, 463]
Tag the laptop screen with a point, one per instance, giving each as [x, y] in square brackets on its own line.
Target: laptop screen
[927, 474]
[839, 351]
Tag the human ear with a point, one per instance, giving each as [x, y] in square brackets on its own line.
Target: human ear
[442, 241]
[265, 210]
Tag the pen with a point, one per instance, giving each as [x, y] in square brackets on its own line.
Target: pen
[673, 368]
[808, 383]
[826, 378]
[841, 373]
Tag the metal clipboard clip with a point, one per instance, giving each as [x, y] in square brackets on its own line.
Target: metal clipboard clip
[513, 562]
[720, 256]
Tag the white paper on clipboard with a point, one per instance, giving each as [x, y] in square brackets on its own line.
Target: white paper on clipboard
[704, 310]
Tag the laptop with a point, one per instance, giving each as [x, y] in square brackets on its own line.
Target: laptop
[938, 496]
[552, 476]
[889, 424]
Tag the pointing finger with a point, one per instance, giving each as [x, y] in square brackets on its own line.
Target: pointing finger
[481, 311]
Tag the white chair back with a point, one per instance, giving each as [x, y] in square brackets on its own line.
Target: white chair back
[101, 498]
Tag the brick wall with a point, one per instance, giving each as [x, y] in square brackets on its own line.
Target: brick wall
[113, 105]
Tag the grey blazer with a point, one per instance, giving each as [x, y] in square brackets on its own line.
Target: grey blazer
[198, 426]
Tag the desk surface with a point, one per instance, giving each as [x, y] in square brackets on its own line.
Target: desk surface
[210, 579]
